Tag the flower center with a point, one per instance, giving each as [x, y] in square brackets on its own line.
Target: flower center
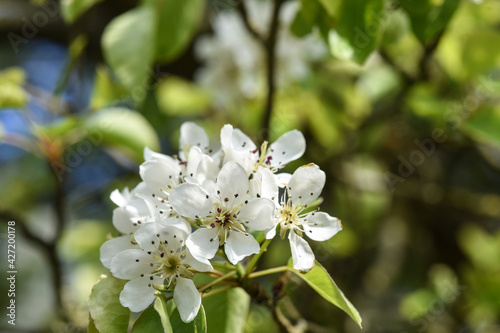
[264, 160]
[226, 220]
[168, 263]
[289, 217]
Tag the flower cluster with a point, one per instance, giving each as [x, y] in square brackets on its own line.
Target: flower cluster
[189, 207]
[241, 73]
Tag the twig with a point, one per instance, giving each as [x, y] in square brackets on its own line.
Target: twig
[244, 15]
[271, 61]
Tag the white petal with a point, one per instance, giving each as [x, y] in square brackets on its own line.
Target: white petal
[208, 169]
[194, 159]
[232, 183]
[120, 199]
[146, 236]
[150, 155]
[237, 147]
[201, 265]
[302, 255]
[240, 245]
[130, 264]
[203, 243]
[122, 221]
[289, 147]
[176, 222]
[259, 213]
[114, 246]
[191, 200]
[159, 174]
[192, 135]
[306, 184]
[283, 178]
[321, 226]
[187, 299]
[264, 184]
[271, 232]
[139, 293]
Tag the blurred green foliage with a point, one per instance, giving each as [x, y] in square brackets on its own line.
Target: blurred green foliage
[420, 245]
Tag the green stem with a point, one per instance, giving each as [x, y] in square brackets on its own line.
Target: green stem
[214, 282]
[268, 271]
[216, 291]
[254, 260]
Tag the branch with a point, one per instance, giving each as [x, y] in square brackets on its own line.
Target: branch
[271, 61]
[244, 15]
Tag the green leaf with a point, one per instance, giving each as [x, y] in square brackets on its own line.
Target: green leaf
[161, 308]
[359, 25]
[128, 46]
[148, 322]
[177, 23]
[12, 93]
[428, 18]
[105, 308]
[331, 6]
[177, 96]
[122, 129]
[72, 9]
[319, 279]
[484, 125]
[198, 325]
[227, 311]
[91, 328]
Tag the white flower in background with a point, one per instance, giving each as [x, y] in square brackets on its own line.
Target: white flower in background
[227, 209]
[163, 259]
[304, 186]
[131, 212]
[240, 148]
[235, 61]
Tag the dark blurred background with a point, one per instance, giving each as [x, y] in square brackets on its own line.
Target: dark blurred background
[398, 101]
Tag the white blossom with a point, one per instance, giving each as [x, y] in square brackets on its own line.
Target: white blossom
[226, 209]
[162, 260]
[235, 60]
[238, 147]
[304, 187]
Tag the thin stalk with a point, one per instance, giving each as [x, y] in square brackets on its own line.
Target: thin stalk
[256, 258]
[268, 271]
[216, 291]
[216, 281]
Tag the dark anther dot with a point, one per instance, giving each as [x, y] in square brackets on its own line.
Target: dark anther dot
[157, 235]
[246, 201]
[312, 193]
[161, 212]
[218, 192]
[151, 278]
[152, 242]
[171, 251]
[311, 231]
[236, 195]
[258, 195]
[226, 199]
[283, 153]
[170, 176]
[142, 275]
[149, 285]
[207, 196]
[191, 174]
[153, 195]
[211, 239]
[136, 260]
[149, 252]
[175, 236]
[166, 242]
[300, 197]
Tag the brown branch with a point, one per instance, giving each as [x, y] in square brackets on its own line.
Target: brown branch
[270, 62]
[244, 15]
